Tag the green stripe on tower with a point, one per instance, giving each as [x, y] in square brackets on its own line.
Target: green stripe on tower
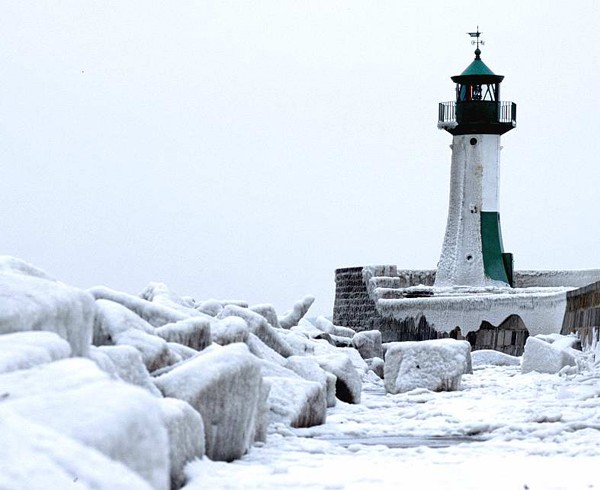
[491, 244]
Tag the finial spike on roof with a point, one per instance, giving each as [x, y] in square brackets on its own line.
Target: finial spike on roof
[477, 41]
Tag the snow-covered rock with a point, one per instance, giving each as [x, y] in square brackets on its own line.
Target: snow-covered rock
[300, 343]
[19, 266]
[159, 293]
[155, 314]
[186, 436]
[33, 303]
[224, 385]
[113, 319]
[310, 370]
[348, 383]
[357, 361]
[35, 457]
[128, 364]
[193, 332]
[488, 357]
[327, 326]
[210, 307]
[259, 326]
[545, 357]
[155, 351]
[23, 350]
[180, 352]
[263, 351]
[268, 312]
[75, 398]
[229, 330]
[437, 365]
[291, 318]
[296, 401]
[368, 343]
[377, 366]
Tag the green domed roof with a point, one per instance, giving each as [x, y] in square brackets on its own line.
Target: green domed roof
[477, 67]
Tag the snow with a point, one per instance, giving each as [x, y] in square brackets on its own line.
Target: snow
[33, 303]
[159, 293]
[35, 457]
[268, 312]
[263, 351]
[112, 319]
[229, 330]
[505, 430]
[327, 326]
[310, 370]
[13, 264]
[155, 351]
[436, 365]
[224, 385]
[348, 385]
[23, 350]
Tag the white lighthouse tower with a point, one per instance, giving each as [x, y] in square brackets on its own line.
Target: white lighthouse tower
[472, 253]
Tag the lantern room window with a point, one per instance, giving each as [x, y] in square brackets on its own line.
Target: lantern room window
[466, 92]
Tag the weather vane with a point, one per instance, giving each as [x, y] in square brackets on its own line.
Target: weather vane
[476, 36]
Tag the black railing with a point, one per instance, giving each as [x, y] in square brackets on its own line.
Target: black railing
[451, 114]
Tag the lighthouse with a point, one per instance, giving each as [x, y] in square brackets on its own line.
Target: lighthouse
[472, 252]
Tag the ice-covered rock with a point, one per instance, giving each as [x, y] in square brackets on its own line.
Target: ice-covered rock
[296, 401]
[377, 366]
[327, 326]
[75, 398]
[33, 303]
[159, 293]
[155, 351]
[229, 330]
[300, 343]
[348, 383]
[193, 332]
[224, 385]
[35, 457]
[368, 343]
[113, 319]
[181, 352]
[155, 314]
[129, 365]
[310, 331]
[263, 351]
[23, 350]
[13, 264]
[544, 357]
[186, 436]
[437, 365]
[259, 326]
[310, 370]
[291, 318]
[268, 312]
[357, 361]
[210, 307]
[488, 357]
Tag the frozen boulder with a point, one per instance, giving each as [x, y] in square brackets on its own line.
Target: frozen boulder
[268, 312]
[377, 366]
[259, 327]
[79, 401]
[155, 314]
[23, 350]
[39, 458]
[224, 385]
[32, 303]
[348, 383]
[210, 307]
[300, 344]
[193, 332]
[180, 352]
[368, 343]
[186, 436]
[327, 326]
[436, 365]
[229, 330]
[129, 366]
[291, 318]
[545, 357]
[159, 293]
[155, 351]
[15, 265]
[310, 370]
[113, 319]
[263, 351]
[296, 402]
[488, 357]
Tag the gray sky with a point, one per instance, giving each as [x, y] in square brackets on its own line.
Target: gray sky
[247, 149]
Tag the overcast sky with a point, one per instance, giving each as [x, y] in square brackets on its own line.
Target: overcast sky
[247, 149]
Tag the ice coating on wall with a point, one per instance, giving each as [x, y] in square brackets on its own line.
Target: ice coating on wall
[541, 309]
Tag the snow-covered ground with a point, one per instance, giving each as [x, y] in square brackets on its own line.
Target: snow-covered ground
[503, 430]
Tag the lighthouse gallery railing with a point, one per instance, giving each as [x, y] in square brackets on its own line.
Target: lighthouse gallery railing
[451, 114]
